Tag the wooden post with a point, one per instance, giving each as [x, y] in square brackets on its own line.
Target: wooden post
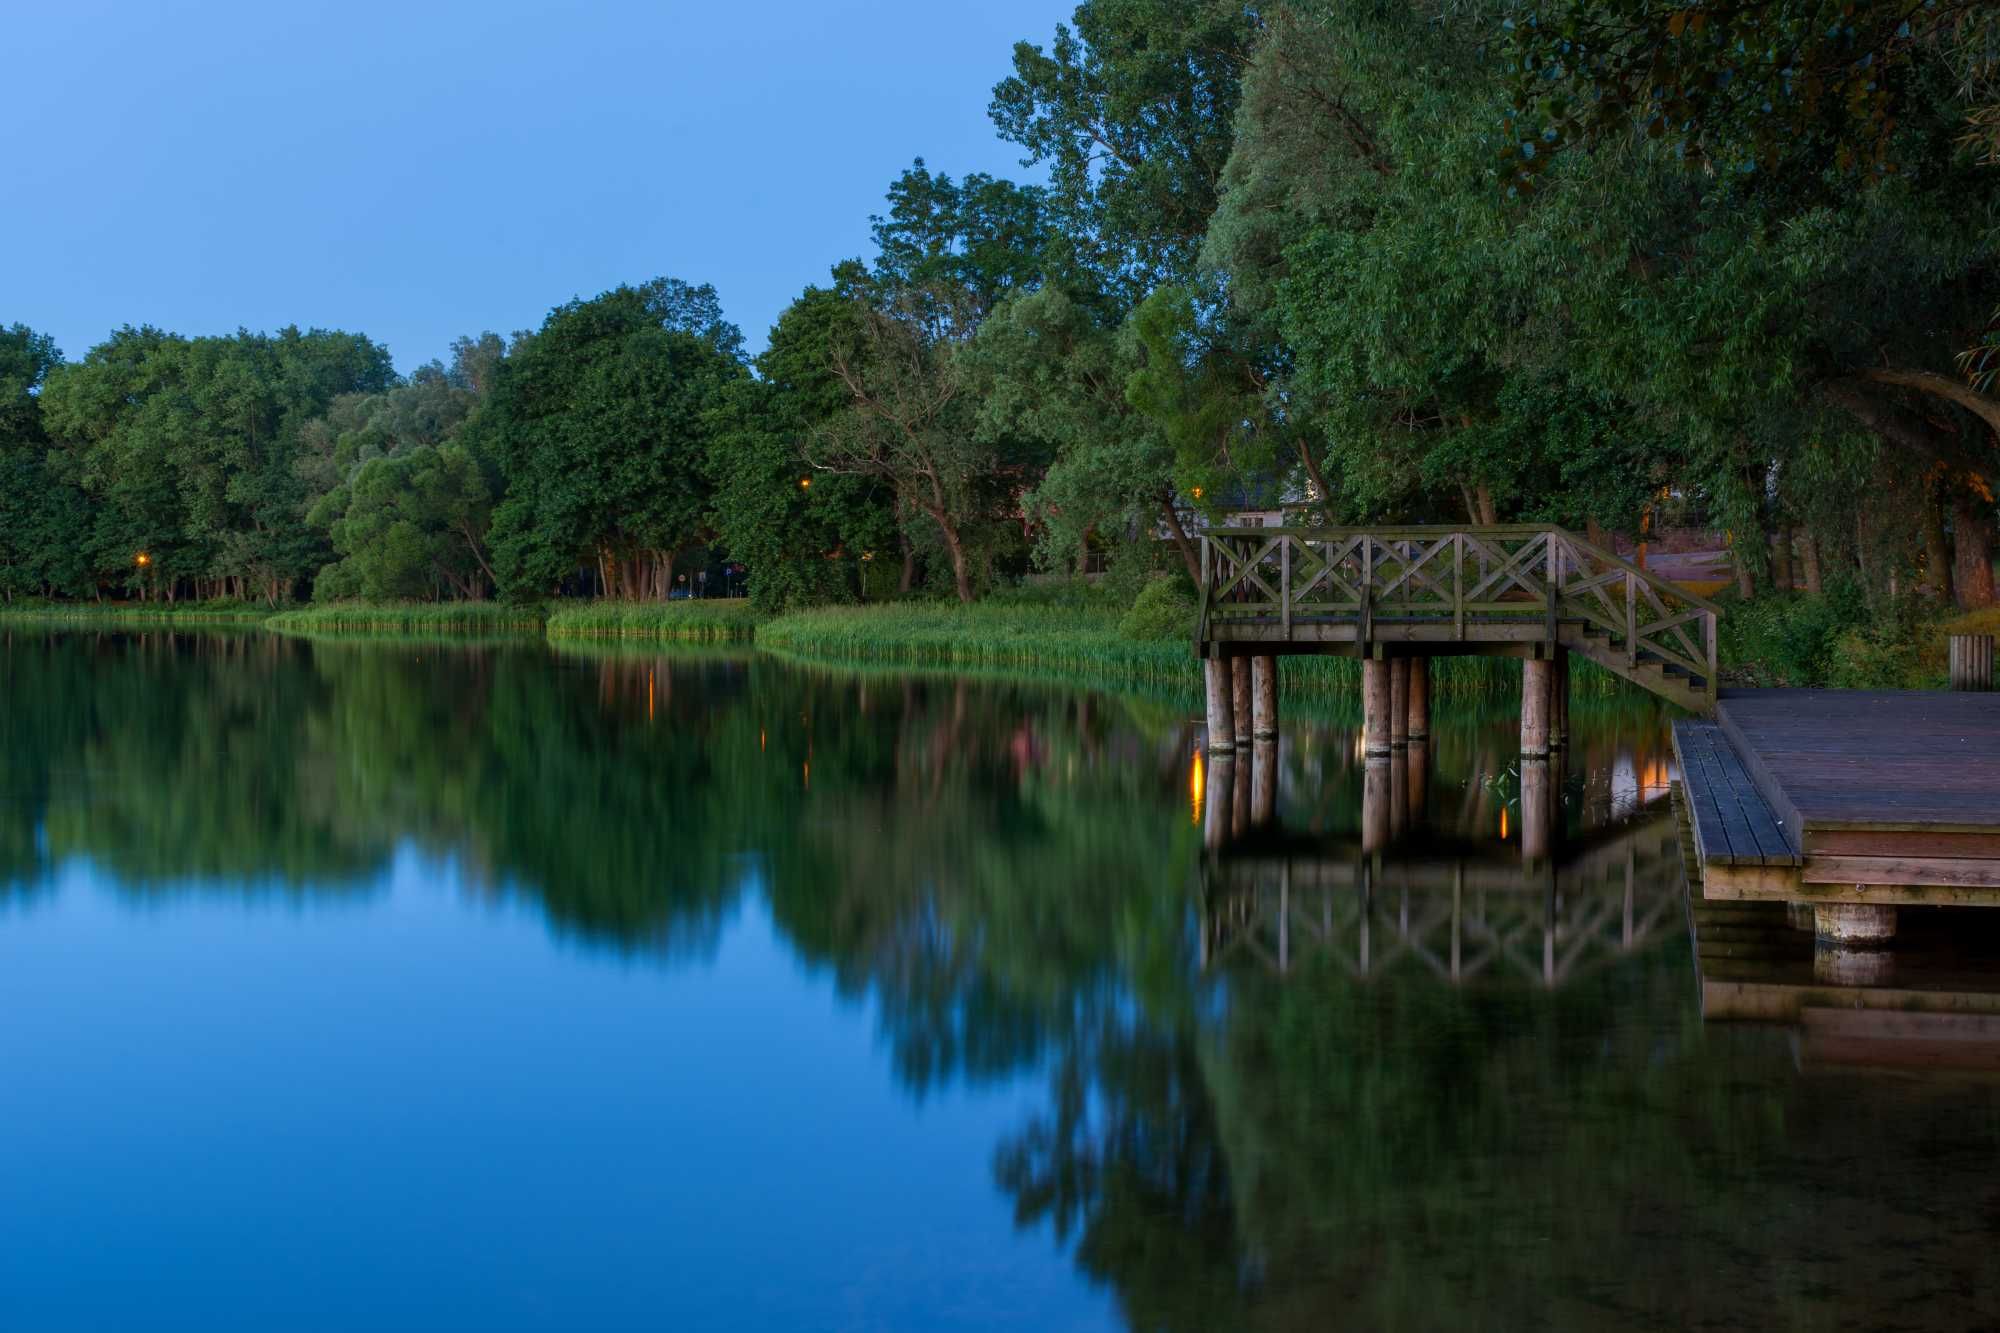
[1420, 771]
[1263, 783]
[1537, 810]
[1264, 698]
[1218, 801]
[1399, 702]
[1853, 923]
[1559, 701]
[1972, 661]
[1239, 815]
[1375, 784]
[1399, 793]
[1221, 713]
[1537, 696]
[1375, 695]
[1420, 699]
[1239, 699]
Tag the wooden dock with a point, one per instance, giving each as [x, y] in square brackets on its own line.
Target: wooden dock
[1869, 799]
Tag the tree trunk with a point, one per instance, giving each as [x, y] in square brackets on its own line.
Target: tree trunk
[1488, 514]
[908, 578]
[961, 572]
[1809, 558]
[1974, 521]
[1186, 547]
[1937, 555]
[1746, 578]
[1781, 558]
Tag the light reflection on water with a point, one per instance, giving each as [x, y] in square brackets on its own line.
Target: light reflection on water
[504, 988]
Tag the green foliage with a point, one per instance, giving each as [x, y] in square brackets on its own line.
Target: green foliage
[603, 423]
[1837, 639]
[1164, 609]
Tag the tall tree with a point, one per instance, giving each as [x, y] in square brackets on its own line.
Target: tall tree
[602, 423]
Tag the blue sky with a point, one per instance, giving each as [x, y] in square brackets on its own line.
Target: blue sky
[415, 171]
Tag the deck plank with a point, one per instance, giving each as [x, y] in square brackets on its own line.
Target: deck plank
[1733, 824]
[1920, 769]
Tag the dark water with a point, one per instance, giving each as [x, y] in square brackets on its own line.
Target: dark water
[370, 986]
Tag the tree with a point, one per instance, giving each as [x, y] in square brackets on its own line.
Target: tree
[44, 524]
[1131, 111]
[188, 450]
[602, 423]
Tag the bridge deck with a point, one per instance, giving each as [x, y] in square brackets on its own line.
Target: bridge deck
[1883, 797]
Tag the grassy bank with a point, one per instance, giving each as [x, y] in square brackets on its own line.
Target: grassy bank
[427, 618]
[707, 620]
[135, 613]
[1077, 642]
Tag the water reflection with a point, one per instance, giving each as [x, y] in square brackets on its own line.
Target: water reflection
[1310, 1040]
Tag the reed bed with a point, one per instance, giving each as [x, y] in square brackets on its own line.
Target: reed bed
[427, 618]
[701, 620]
[135, 613]
[1083, 645]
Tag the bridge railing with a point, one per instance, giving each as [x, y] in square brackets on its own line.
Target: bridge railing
[1476, 580]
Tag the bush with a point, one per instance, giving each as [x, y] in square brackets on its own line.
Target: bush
[1836, 639]
[1164, 609]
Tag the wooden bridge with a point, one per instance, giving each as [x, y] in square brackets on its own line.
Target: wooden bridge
[1398, 596]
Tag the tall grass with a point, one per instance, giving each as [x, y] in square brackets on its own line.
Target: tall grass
[1081, 643]
[703, 619]
[410, 618]
[85, 613]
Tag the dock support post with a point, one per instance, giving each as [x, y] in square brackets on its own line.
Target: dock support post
[1537, 695]
[1239, 696]
[1537, 811]
[1375, 694]
[1221, 714]
[1375, 797]
[1264, 698]
[1853, 923]
[1219, 800]
[1399, 702]
[1559, 703]
[1263, 783]
[1420, 699]
[1420, 773]
[1971, 661]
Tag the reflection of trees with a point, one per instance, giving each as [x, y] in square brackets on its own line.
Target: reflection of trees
[1006, 873]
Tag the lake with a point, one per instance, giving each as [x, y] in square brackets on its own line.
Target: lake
[501, 986]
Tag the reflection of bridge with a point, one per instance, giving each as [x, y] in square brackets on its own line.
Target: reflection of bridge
[1462, 911]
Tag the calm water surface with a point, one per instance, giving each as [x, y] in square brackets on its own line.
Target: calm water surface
[391, 986]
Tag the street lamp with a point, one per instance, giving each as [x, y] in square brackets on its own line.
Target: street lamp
[805, 483]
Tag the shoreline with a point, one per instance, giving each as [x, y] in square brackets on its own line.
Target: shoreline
[1057, 644]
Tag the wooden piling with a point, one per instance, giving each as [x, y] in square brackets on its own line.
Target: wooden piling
[1239, 695]
[1850, 924]
[1399, 792]
[1399, 702]
[1419, 727]
[1537, 810]
[1537, 698]
[1971, 661]
[1263, 783]
[1375, 696]
[1264, 698]
[1218, 801]
[1375, 800]
[1420, 773]
[1221, 714]
[1559, 703]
